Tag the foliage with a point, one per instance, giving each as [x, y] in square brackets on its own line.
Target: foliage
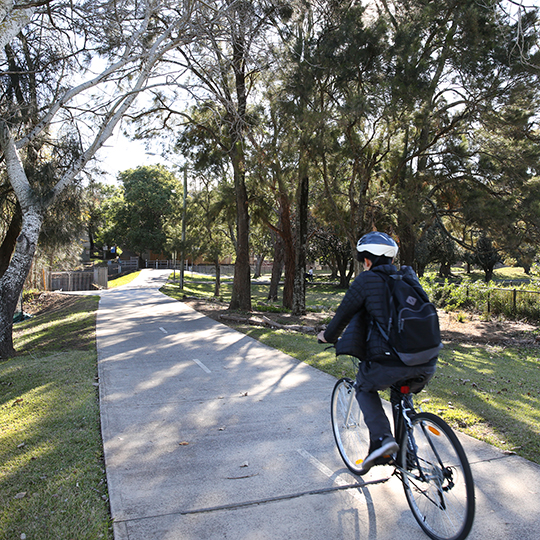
[70, 73]
[522, 301]
[327, 247]
[436, 246]
[150, 195]
[486, 256]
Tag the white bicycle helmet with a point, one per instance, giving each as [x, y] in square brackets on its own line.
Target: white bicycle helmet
[378, 244]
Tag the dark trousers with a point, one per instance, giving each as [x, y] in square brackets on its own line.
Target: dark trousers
[374, 376]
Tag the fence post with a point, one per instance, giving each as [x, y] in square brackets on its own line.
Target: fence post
[515, 302]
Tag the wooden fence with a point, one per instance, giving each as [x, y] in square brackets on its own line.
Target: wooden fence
[85, 280]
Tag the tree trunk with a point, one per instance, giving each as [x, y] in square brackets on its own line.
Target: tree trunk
[277, 268]
[299, 296]
[218, 277]
[445, 270]
[407, 239]
[288, 246]
[259, 259]
[10, 240]
[12, 282]
[241, 291]
[345, 270]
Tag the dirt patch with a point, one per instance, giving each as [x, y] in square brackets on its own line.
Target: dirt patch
[476, 330]
[470, 329]
[47, 302]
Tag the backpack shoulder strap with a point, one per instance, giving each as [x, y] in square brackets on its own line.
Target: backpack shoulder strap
[389, 280]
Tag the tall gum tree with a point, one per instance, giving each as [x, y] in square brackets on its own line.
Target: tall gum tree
[76, 90]
[225, 65]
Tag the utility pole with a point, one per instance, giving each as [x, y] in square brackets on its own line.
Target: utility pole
[183, 230]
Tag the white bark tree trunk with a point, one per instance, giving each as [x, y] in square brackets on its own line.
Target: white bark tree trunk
[12, 20]
[131, 72]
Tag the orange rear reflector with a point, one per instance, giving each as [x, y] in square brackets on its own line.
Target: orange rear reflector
[433, 430]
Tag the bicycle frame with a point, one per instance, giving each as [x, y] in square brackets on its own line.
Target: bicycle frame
[402, 410]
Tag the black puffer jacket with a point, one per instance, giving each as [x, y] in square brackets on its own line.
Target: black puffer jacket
[367, 299]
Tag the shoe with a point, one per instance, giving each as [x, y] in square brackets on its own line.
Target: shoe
[380, 453]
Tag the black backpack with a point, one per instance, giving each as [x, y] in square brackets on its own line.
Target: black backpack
[413, 327]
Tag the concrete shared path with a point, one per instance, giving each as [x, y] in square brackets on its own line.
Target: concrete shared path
[209, 434]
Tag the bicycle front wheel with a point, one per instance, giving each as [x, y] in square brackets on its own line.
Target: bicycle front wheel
[437, 478]
[350, 433]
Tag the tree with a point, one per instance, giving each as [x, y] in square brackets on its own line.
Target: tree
[486, 256]
[224, 64]
[99, 200]
[436, 246]
[450, 67]
[41, 65]
[328, 247]
[150, 195]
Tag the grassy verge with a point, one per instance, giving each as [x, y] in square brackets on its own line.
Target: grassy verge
[490, 393]
[122, 280]
[52, 480]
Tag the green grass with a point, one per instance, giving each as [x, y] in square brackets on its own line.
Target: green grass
[52, 480]
[500, 275]
[123, 280]
[319, 296]
[491, 393]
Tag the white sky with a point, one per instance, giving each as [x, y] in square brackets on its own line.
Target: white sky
[120, 154]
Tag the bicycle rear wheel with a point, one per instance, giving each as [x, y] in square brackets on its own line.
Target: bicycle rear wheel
[350, 432]
[438, 483]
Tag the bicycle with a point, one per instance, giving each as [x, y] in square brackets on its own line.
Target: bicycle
[430, 463]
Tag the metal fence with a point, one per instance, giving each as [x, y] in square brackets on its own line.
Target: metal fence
[123, 266]
[513, 302]
[208, 269]
[161, 264]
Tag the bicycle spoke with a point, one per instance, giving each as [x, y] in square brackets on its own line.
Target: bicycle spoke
[350, 433]
[438, 484]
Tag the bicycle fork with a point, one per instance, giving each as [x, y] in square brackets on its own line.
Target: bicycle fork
[352, 397]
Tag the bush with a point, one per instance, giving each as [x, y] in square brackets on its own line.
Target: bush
[518, 302]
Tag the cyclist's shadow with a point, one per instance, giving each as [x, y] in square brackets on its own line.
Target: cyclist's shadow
[365, 528]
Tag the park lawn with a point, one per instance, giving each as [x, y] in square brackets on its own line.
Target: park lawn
[52, 480]
[491, 393]
[319, 296]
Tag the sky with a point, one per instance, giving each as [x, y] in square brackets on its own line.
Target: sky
[120, 154]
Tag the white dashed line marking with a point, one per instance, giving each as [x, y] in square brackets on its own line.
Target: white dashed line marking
[329, 473]
[201, 365]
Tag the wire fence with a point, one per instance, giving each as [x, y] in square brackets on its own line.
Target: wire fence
[511, 302]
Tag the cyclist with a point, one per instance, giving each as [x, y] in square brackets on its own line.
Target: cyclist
[367, 301]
